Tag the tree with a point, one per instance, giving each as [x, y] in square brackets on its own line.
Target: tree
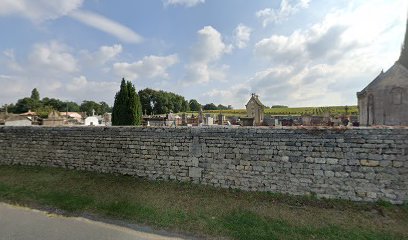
[71, 107]
[161, 102]
[35, 95]
[127, 109]
[36, 103]
[135, 107]
[194, 105]
[23, 105]
[104, 108]
[55, 104]
[89, 107]
[147, 100]
[119, 113]
[221, 107]
[43, 111]
[185, 106]
[210, 106]
[10, 108]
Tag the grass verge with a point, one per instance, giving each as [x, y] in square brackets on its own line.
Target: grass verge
[203, 211]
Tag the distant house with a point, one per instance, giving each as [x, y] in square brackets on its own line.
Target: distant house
[28, 114]
[73, 117]
[255, 110]
[385, 100]
[16, 120]
[9, 119]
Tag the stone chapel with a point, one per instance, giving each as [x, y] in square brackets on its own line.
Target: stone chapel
[255, 109]
[385, 100]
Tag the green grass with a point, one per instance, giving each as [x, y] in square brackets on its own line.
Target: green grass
[203, 211]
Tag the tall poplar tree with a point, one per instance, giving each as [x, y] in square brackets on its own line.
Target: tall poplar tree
[35, 95]
[127, 109]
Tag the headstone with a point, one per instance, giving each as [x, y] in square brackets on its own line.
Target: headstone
[209, 120]
[184, 119]
[200, 116]
[306, 120]
[278, 124]
[221, 119]
[326, 118]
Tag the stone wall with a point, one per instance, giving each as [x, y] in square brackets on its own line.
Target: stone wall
[356, 164]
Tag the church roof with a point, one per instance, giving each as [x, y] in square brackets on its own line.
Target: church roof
[387, 78]
[399, 69]
[256, 99]
[403, 59]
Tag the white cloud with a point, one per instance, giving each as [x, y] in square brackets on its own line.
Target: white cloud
[42, 10]
[199, 72]
[210, 46]
[326, 41]
[80, 88]
[59, 71]
[11, 87]
[39, 10]
[103, 55]
[53, 56]
[148, 67]
[186, 3]
[280, 85]
[338, 36]
[235, 95]
[109, 52]
[242, 35]
[287, 8]
[11, 61]
[206, 52]
[77, 83]
[283, 48]
[106, 25]
[327, 62]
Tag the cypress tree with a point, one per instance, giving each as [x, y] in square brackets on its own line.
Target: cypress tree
[119, 106]
[127, 109]
[135, 106]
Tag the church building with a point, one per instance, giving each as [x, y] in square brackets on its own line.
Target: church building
[385, 100]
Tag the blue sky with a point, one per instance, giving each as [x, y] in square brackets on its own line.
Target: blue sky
[291, 52]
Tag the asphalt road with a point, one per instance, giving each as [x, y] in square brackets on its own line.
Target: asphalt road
[27, 224]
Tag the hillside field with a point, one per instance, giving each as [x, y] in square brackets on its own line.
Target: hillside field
[316, 111]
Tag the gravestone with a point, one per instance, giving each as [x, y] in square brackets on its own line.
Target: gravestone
[221, 119]
[200, 116]
[184, 119]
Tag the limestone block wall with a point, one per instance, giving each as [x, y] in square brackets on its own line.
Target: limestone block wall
[356, 164]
